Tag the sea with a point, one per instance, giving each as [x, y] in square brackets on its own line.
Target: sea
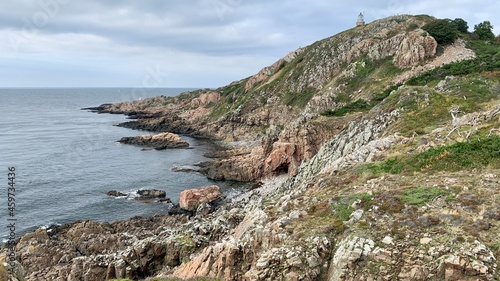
[66, 159]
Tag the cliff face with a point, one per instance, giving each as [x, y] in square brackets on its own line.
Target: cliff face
[373, 167]
[326, 75]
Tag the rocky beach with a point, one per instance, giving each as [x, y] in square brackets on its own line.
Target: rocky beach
[373, 154]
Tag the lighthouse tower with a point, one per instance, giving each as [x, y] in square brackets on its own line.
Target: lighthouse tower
[361, 20]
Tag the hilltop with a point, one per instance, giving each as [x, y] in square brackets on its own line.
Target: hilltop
[377, 153]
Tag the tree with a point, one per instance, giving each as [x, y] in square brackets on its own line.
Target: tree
[484, 31]
[460, 25]
[444, 31]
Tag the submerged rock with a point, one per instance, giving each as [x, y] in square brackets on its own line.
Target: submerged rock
[115, 193]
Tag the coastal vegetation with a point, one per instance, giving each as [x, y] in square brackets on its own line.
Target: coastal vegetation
[481, 153]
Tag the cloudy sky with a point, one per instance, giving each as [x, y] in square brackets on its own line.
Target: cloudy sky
[190, 43]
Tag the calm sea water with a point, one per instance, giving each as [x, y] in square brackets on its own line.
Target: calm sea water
[66, 159]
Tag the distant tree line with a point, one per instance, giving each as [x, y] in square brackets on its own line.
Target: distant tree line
[446, 31]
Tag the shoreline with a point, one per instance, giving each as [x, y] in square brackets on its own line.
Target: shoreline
[109, 243]
[224, 158]
[211, 143]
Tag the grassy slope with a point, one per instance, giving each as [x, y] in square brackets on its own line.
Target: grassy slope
[420, 176]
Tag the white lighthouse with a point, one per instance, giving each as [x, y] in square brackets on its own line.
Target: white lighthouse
[361, 20]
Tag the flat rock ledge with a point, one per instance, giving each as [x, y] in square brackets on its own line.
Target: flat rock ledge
[159, 141]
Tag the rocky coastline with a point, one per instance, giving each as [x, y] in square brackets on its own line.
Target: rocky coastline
[352, 179]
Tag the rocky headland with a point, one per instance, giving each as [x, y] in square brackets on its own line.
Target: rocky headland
[375, 155]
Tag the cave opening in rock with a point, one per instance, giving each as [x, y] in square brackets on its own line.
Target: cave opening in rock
[282, 169]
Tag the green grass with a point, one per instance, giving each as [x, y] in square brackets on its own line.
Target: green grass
[342, 97]
[425, 111]
[419, 196]
[233, 96]
[422, 118]
[363, 74]
[469, 155]
[488, 59]
[474, 89]
[299, 100]
[387, 69]
[390, 166]
[359, 105]
[476, 154]
[342, 206]
[381, 96]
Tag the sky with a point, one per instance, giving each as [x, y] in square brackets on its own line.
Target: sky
[190, 43]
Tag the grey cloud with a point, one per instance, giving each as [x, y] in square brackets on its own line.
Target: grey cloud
[207, 34]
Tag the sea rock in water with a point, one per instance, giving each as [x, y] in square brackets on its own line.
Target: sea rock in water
[192, 198]
[150, 194]
[186, 169]
[165, 200]
[115, 193]
[159, 141]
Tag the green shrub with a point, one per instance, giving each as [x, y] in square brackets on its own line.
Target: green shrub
[359, 105]
[461, 25]
[461, 155]
[484, 31]
[443, 30]
[412, 26]
[477, 154]
[381, 96]
[487, 59]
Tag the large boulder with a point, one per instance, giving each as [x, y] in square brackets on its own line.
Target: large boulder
[192, 198]
[159, 141]
[152, 194]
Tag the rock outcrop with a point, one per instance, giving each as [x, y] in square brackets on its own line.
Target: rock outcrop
[191, 199]
[159, 141]
[152, 194]
[277, 231]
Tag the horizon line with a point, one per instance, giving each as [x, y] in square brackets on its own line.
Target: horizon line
[100, 87]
